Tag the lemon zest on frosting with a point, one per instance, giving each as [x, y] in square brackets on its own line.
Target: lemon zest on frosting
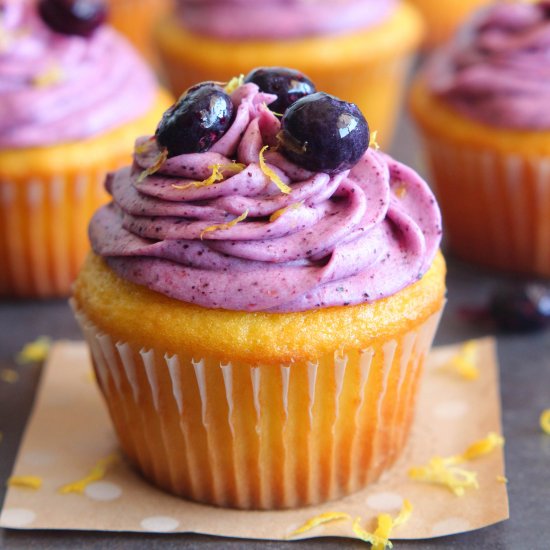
[96, 474]
[278, 213]
[373, 143]
[155, 167]
[271, 174]
[25, 482]
[234, 83]
[545, 421]
[215, 176]
[145, 147]
[464, 362]
[227, 225]
[401, 192]
[51, 76]
[321, 519]
[35, 351]
[9, 375]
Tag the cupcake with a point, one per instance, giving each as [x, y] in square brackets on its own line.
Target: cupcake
[480, 104]
[356, 50]
[443, 18]
[73, 96]
[136, 19]
[260, 299]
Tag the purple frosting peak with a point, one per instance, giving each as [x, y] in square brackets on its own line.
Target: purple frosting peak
[497, 69]
[57, 88]
[353, 237]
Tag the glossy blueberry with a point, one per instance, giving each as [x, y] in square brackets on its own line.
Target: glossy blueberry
[323, 133]
[521, 308]
[198, 120]
[288, 85]
[79, 17]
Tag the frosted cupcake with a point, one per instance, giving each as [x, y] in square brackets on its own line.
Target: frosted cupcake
[73, 95]
[259, 318]
[356, 50]
[481, 106]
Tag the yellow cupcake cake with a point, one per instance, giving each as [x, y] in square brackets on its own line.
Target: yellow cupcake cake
[359, 51]
[481, 108]
[73, 96]
[261, 297]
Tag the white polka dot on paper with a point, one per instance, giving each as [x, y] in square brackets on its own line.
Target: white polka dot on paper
[385, 502]
[38, 458]
[450, 526]
[450, 410]
[159, 524]
[17, 517]
[103, 490]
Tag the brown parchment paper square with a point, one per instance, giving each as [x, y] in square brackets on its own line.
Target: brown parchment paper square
[69, 431]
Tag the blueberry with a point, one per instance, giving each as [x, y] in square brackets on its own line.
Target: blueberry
[522, 308]
[323, 133]
[200, 118]
[78, 17]
[288, 85]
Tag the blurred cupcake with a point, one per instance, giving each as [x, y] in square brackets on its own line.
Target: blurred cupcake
[73, 96]
[481, 104]
[356, 50]
[258, 319]
[136, 20]
[443, 18]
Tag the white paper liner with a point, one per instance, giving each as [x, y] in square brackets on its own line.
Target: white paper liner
[319, 452]
[515, 194]
[44, 223]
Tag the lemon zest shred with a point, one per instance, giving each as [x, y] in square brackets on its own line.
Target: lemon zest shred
[51, 76]
[234, 83]
[483, 446]
[34, 352]
[464, 362]
[9, 375]
[545, 421]
[95, 474]
[401, 192]
[502, 479]
[271, 174]
[373, 143]
[228, 225]
[321, 519]
[215, 176]
[437, 471]
[404, 514]
[278, 213]
[25, 482]
[145, 147]
[155, 167]
[361, 533]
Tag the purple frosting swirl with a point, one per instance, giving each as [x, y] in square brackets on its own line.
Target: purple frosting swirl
[280, 19]
[497, 70]
[57, 88]
[349, 238]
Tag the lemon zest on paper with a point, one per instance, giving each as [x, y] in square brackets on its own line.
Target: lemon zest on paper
[464, 362]
[545, 421]
[9, 375]
[321, 519]
[160, 159]
[25, 482]
[227, 225]
[502, 479]
[96, 474]
[34, 352]
[215, 176]
[283, 187]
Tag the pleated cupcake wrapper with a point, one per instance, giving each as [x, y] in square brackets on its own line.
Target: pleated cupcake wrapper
[43, 231]
[261, 436]
[496, 206]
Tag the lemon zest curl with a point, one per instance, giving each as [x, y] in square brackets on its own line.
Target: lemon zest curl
[216, 175]
[283, 187]
[227, 225]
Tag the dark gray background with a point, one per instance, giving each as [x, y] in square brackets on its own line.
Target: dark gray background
[525, 381]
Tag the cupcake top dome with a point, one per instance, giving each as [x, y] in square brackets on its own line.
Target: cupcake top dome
[231, 206]
[64, 76]
[496, 70]
[280, 19]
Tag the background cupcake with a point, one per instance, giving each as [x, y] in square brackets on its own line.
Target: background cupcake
[356, 50]
[258, 324]
[73, 96]
[481, 104]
